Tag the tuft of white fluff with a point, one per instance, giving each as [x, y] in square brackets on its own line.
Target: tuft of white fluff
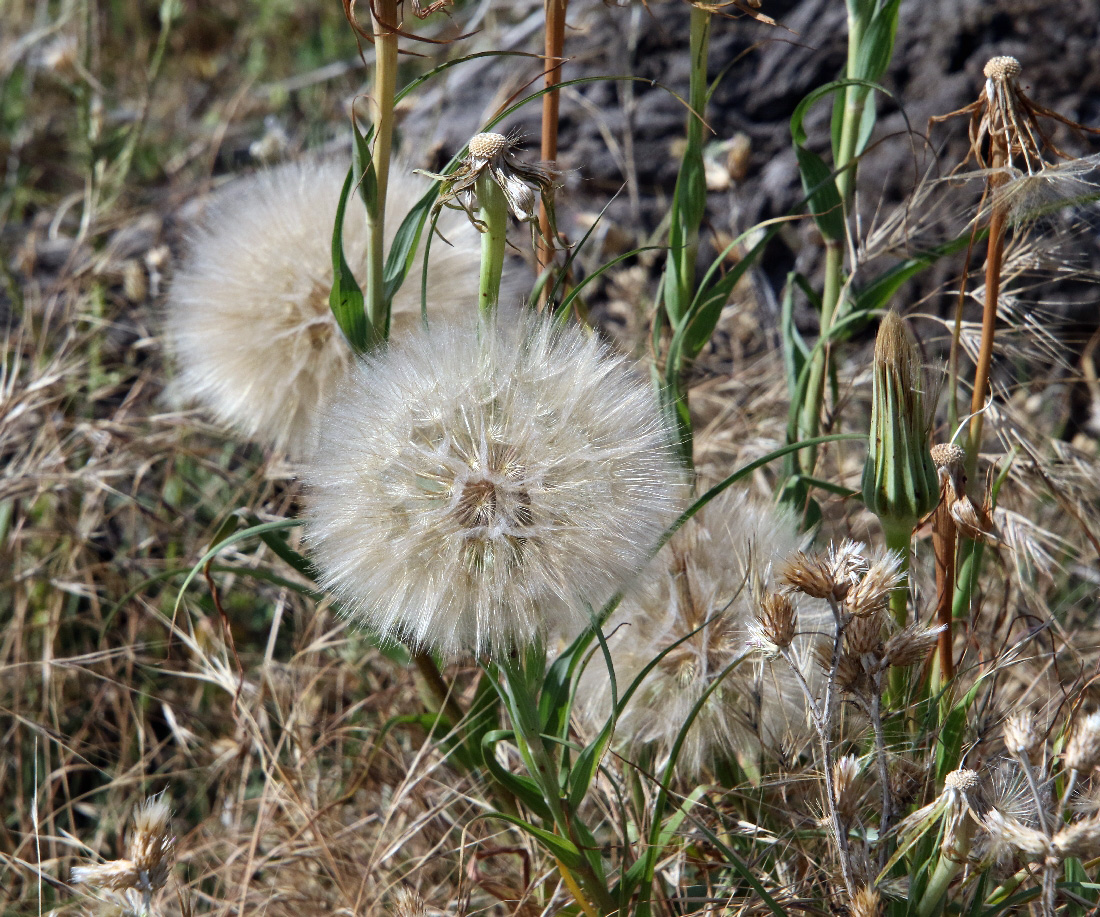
[479, 485]
[247, 317]
[707, 580]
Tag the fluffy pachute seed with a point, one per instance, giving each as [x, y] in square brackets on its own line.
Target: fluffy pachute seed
[248, 318]
[480, 485]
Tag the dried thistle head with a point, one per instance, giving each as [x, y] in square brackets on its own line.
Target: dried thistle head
[1022, 736]
[867, 903]
[959, 807]
[1083, 747]
[775, 624]
[871, 594]
[492, 157]
[911, 644]
[828, 575]
[846, 786]
[900, 483]
[150, 853]
[863, 635]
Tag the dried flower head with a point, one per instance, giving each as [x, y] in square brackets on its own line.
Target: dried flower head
[871, 594]
[950, 462]
[846, 786]
[863, 635]
[481, 483]
[867, 903]
[149, 855]
[911, 644]
[1007, 135]
[1022, 736]
[828, 575]
[959, 807]
[248, 317]
[697, 608]
[492, 156]
[1083, 748]
[774, 627]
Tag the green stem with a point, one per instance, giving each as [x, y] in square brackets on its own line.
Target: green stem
[931, 902]
[385, 86]
[493, 213]
[898, 537]
[855, 98]
[810, 423]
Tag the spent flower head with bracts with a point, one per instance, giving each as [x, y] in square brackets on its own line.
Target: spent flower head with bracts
[482, 483]
[150, 852]
[248, 317]
[705, 610]
[492, 157]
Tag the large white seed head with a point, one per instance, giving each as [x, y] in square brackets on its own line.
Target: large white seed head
[248, 318]
[480, 486]
[707, 584]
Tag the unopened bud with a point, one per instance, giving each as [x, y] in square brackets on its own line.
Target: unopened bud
[900, 483]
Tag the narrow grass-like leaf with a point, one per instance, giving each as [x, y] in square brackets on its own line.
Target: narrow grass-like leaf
[346, 297]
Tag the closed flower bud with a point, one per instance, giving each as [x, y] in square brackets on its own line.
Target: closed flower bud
[900, 483]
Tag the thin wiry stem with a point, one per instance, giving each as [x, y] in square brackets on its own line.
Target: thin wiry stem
[875, 713]
[554, 45]
[823, 719]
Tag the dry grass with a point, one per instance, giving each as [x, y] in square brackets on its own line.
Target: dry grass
[299, 765]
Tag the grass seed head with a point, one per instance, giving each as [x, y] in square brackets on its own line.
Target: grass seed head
[481, 484]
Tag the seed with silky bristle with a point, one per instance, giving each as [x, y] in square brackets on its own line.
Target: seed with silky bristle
[1002, 68]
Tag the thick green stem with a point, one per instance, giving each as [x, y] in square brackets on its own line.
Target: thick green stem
[385, 86]
[493, 214]
[810, 423]
[855, 99]
[898, 537]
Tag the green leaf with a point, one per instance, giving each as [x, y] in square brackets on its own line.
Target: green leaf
[823, 194]
[524, 789]
[366, 178]
[402, 253]
[558, 846]
[877, 43]
[346, 297]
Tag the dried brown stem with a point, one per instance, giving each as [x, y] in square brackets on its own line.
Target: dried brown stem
[995, 251]
[555, 43]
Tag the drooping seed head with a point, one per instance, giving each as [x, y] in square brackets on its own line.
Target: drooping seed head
[1022, 736]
